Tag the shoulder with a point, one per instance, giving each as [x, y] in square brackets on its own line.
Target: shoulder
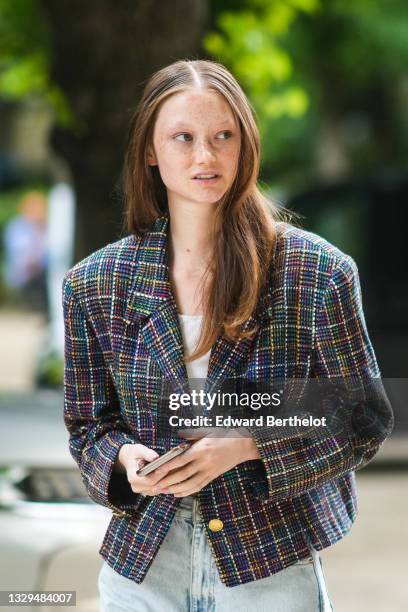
[109, 268]
[306, 254]
[107, 274]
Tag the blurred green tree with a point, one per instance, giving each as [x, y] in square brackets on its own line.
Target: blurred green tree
[249, 41]
[327, 79]
[25, 53]
[98, 53]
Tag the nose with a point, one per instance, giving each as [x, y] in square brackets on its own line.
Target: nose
[203, 152]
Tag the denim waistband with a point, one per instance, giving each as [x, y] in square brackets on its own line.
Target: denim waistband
[188, 508]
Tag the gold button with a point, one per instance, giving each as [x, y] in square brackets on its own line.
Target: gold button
[216, 525]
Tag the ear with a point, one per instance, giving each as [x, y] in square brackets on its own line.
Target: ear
[151, 157]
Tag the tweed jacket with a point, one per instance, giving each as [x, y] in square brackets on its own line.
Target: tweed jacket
[122, 337]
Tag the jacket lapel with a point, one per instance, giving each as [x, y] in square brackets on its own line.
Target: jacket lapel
[152, 305]
[226, 355]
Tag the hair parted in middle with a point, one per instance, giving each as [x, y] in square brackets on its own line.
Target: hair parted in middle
[244, 227]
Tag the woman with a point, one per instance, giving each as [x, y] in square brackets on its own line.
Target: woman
[209, 286]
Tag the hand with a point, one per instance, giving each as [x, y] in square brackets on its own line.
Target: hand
[206, 459]
[131, 458]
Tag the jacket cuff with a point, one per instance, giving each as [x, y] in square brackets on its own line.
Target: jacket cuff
[271, 474]
[105, 485]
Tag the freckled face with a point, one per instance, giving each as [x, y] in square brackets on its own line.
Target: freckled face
[196, 145]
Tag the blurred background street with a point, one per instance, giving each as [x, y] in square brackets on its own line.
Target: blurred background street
[367, 570]
[21, 336]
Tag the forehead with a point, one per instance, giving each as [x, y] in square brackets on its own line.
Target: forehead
[196, 106]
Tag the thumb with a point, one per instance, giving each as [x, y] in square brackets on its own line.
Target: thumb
[147, 453]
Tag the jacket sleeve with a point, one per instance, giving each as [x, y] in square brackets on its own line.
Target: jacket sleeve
[342, 349]
[92, 412]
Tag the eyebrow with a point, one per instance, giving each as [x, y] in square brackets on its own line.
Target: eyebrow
[182, 125]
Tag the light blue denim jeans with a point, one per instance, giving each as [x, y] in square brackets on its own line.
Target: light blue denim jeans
[183, 577]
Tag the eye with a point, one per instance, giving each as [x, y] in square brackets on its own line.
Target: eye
[225, 135]
[184, 137]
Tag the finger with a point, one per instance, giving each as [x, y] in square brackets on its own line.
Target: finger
[136, 465]
[143, 452]
[151, 479]
[144, 483]
[175, 463]
[186, 485]
[140, 451]
[139, 484]
[146, 491]
[185, 492]
[176, 476]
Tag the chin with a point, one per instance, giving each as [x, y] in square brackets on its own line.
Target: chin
[210, 201]
[210, 198]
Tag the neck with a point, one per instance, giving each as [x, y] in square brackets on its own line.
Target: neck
[190, 237]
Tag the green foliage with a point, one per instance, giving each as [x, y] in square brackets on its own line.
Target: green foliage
[309, 64]
[303, 63]
[8, 205]
[249, 42]
[372, 37]
[25, 57]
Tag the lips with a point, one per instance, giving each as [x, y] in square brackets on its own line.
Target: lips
[206, 177]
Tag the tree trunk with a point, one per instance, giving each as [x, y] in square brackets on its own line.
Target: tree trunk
[104, 51]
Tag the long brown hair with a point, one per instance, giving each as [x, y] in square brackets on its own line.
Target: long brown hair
[244, 226]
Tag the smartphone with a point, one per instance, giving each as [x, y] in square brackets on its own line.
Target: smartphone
[174, 452]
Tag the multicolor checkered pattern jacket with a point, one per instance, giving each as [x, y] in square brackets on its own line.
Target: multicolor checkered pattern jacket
[123, 337]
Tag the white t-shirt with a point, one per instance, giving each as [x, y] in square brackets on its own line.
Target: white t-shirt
[190, 326]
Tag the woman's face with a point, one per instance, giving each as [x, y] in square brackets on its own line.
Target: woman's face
[196, 145]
